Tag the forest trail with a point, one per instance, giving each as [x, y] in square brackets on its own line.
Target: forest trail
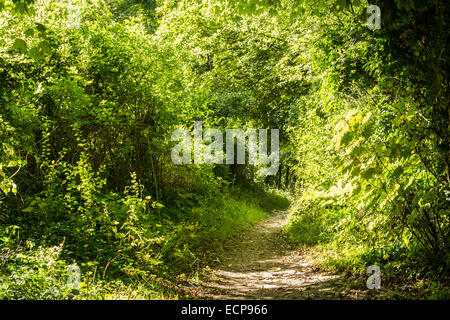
[261, 264]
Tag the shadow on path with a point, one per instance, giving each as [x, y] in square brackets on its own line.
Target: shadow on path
[260, 264]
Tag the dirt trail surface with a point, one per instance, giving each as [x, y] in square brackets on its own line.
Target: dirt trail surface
[260, 264]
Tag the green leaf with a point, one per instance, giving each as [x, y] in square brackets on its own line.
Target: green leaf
[369, 173]
[340, 5]
[36, 54]
[397, 172]
[45, 47]
[355, 172]
[20, 45]
[20, 7]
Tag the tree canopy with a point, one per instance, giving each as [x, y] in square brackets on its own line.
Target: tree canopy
[91, 91]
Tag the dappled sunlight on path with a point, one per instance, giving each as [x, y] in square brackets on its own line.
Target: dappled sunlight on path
[261, 264]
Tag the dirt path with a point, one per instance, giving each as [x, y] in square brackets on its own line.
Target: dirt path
[260, 264]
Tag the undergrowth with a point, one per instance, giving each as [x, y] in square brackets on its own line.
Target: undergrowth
[163, 248]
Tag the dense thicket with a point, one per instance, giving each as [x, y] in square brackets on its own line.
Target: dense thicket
[90, 92]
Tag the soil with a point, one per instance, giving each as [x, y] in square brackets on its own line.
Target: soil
[262, 264]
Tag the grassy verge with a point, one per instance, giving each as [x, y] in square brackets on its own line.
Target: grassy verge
[175, 242]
